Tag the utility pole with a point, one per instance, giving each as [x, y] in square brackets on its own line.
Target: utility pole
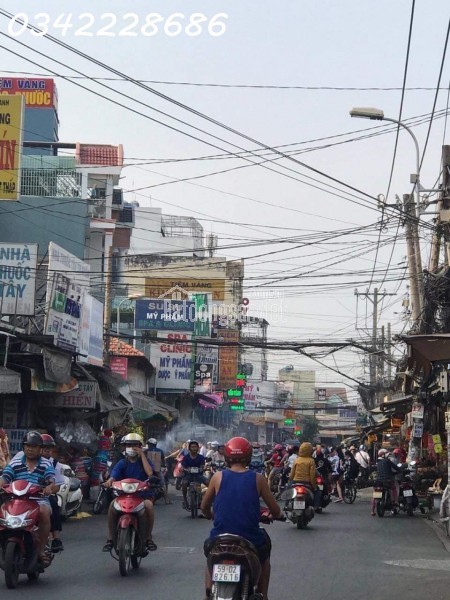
[107, 308]
[376, 366]
[408, 204]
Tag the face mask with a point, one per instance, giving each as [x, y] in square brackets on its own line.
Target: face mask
[130, 452]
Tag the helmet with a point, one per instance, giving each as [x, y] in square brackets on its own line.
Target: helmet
[132, 438]
[33, 438]
[152, 441]
[47, 440]
[397, 451]
[382, 453]
[278, 447]
[238, 449]
[362, 447]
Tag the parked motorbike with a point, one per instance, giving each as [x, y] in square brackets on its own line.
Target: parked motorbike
[235, 567]
[19, 518]
[407, 499]
[129, 537]
[70, 495]
[298, 504]
[325, 497]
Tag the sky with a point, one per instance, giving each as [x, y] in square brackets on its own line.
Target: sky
[284, 74]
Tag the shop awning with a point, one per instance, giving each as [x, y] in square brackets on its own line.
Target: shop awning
[9, 381]
[392, 407]
[431, 348]
[145, 407]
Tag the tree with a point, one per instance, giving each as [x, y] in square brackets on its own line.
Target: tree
[310, 429]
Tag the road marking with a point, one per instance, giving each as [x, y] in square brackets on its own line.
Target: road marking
[421, 563]
[179, 549]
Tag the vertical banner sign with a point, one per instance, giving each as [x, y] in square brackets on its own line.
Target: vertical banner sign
[202, 378]
[17, 278]
[202, 325]
[11, 127]
[68, 282]
[228, 355]
[206, 354]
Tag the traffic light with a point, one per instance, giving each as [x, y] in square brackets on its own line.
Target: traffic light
[289, 421]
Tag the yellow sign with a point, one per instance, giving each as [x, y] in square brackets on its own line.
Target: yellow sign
[438, 448]
[436, 438]
[166, 287]
[11, 119]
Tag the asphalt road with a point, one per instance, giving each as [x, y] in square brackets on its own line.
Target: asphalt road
[345, 554]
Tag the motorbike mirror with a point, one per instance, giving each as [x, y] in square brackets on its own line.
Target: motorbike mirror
[288, 494]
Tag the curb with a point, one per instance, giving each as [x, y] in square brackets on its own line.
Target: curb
[436, 526]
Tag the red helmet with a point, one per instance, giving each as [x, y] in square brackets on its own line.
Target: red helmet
[238, 449]
[278, 447]
[47, 440]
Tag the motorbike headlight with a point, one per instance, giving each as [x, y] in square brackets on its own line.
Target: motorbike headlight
[15, 522]
[130, 488]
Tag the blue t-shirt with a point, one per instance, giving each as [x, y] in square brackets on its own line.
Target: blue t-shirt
[238, 490]
[189, 461]
[125, 469]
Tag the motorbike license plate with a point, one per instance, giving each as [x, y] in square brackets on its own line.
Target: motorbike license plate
[377, 494]
[320, 487]
[194, 469]
[227, 573]
[407, 493]
[299, 505]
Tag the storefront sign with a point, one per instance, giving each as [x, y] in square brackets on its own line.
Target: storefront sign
[164, 314]
[11, 128]
[15, 439]
[173, 361]
[17, 278]
[203, 318]
[84, 397]
[119, 365]
[417, 410]
[9, 413]
[417, 430]
[202, 378]
[37, 92]
[68, 282]
[162, 287]
[208, 355]
[90, 335]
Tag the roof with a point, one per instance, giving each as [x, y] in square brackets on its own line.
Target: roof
[119, 348]
[99, 154]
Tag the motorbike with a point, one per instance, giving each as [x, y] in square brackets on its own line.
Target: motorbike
[178, 472]
[235, 567]
[217, 466]
[258, 466]
[407, 499]
[325, 497]
[19, 518]
[69, 495]
[382, 494]
[298, 504]
[129, 537]
[194, 495]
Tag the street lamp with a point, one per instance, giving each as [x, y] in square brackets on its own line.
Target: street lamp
[130, 297]
[376, 114]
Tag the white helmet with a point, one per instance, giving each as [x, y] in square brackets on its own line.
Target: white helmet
[382, 453]
[152, 441]
[132, 438]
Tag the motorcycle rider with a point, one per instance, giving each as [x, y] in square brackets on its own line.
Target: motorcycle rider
[48, 448]
[386, 472]
[239, 487]
[275, 461]
[218, 457]
[196, 460]
[135, 465]
[304, 471]
[32, 467]
[156, 457]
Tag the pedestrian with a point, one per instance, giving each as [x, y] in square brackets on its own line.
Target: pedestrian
[336, 475]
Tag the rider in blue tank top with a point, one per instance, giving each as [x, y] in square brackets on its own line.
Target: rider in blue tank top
[234, 497]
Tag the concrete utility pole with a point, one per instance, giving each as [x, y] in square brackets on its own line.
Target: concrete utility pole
[410, 230]
[376, 366]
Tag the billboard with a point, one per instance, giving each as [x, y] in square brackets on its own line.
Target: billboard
[36, 91]
[165, 286]
[164, 314]
[17, 278]
[119, 365]
[202, 378]
[11, 128]
[67, 284]
[205, 354]
[172, 359]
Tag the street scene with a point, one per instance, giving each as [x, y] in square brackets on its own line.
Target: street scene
[224, 299]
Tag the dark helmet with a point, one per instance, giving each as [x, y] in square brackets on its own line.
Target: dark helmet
[47, 440]
[238, 449]
[33, 438]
